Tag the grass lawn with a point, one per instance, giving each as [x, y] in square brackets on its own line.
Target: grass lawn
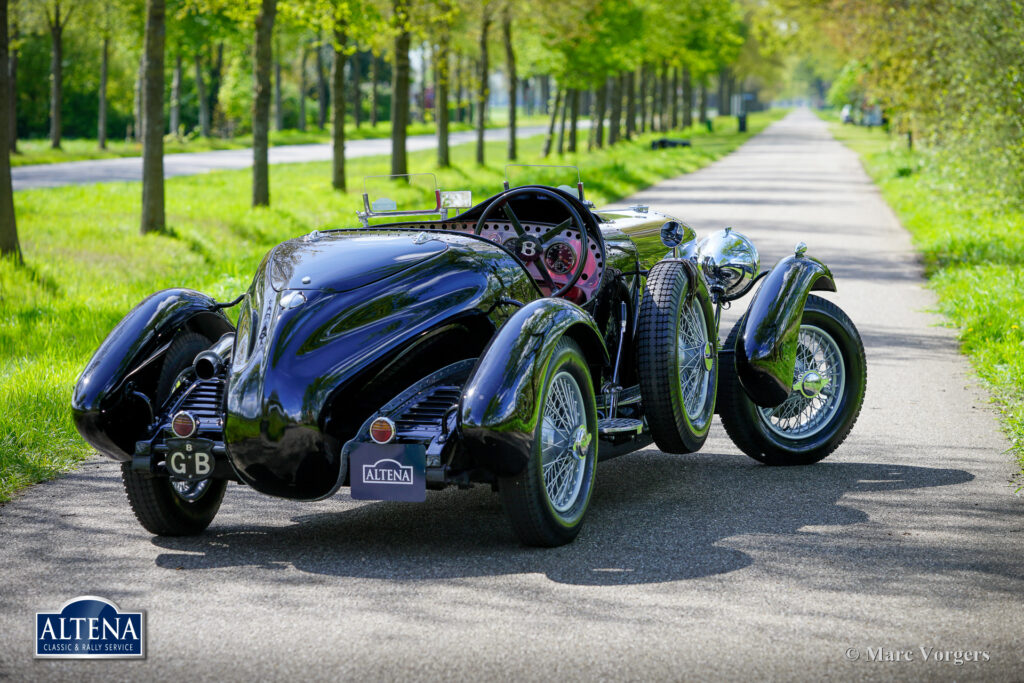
[87, 264]
[973, 250]
[38, 151]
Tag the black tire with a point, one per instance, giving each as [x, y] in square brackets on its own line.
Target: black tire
[158, 506]
[667, 301]
[747, 425]
[525, 497]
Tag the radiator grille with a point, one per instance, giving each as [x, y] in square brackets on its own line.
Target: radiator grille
[205, 401]
[428, 412]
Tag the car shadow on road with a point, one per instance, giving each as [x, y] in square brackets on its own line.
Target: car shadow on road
[653, 518]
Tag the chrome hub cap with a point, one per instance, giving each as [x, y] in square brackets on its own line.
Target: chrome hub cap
[580, 442]
[810, 384]
[565, 442]
[818, 382]
[695, 354]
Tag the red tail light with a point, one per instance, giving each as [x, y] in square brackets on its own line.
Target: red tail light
[184, 425]
[382, 430]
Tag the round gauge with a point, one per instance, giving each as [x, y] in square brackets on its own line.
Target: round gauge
[560, 258]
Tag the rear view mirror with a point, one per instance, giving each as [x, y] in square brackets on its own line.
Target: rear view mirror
[461, 199]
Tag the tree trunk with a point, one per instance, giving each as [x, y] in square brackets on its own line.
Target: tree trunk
[422, 95]
[216, 78]
[204, 103]
[56, 77]
[545, 93]
[153, 120]
[13, 90]
[457, 103]
[723, 93]
[615, 124]
[643, 99]
[574, 115]
[652, 73]
[302, 88]
[137, 102]
[561, 125]
[9, 245]
[601, 110]
[338, 86]
[630, 104]
[176, 97]
[687, 98]
[278, 109]
[592, 112]
[551, 126]
[374, 89]
[263, 61]
[703, 112]
[442, 68]
[400, 90]
[484, 91]
[513, 81]
[675, 97]
[321, 84]
[101, 116]
[663, 109]
[357, 91]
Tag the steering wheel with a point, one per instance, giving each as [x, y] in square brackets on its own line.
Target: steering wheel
[529, 248]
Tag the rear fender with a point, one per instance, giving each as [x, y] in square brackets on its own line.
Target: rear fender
[766, 346]
[110, 398]
[500, 404]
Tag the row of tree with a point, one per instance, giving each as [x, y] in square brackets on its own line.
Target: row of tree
[949, 73]
[631, 65]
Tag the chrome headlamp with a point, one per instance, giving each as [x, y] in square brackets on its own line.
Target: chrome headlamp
[729, 261]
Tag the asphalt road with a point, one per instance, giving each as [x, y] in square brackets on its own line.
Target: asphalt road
[705, 566]
[192, 163]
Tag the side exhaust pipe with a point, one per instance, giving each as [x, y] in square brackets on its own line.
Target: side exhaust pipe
[211, 362]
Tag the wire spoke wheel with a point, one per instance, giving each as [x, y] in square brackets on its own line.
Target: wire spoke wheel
[564, 417]
[677, 360]
[547, 501]
[818, 382]
[692, 347]
[165, 506]
[825, 398]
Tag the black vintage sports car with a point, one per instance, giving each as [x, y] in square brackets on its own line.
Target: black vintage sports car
[515, 344]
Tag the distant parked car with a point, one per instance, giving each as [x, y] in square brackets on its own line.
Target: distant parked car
[846, 114]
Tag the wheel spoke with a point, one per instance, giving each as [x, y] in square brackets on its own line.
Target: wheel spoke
[564, 414]
[799, 416]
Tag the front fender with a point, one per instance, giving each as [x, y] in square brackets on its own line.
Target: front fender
[105, 409]
[766, 346]
[500, 404]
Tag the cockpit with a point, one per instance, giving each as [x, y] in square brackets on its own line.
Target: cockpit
[548, 229]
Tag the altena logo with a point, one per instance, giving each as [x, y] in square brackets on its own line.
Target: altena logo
[387, 471]
[89, 627]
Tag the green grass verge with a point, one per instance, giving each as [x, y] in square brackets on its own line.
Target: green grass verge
[973, 250]
[38, 151]
[87, 264]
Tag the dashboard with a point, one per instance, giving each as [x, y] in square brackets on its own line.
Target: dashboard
[561, 254]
